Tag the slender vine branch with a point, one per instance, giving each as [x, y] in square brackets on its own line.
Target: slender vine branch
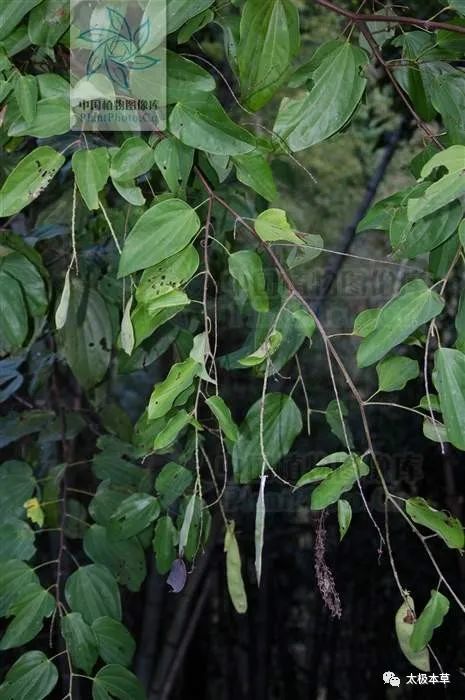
[392, 19]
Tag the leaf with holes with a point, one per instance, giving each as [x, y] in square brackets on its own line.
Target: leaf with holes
[28, 179]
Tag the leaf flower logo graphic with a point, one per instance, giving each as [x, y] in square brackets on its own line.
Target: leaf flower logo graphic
[117, 49]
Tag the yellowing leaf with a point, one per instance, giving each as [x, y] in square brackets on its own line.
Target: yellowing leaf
[34, 511]
[404, 622]
[266, 349]
[272, 225]
[236, 586]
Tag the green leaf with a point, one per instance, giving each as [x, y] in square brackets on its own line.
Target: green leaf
[11, 14]
[395, 372]
[447, 528]
[114, 681]
[194, 25]
[124, 558]
[16, 540]
[17, 485]
[415, 305]
[109, 464]
[247, 269]
[133, 515]
[282, 422]
[338, 482]
[80, 642]
[15, 577]
[52, 119]
[29, 611]
[164, 230]
[91, 169]
[167, 436]
[115, 644]
[234, 578]
[180, 377]
[164, 544]
[196, 521]
[201, 122]
[29, 179]
[254, 171]
[31, 677]
[26, 92]
[48, 22]
[86, 338]
[272, 225]
[315, 474]
[334, 458]
[431, 231]
[180, 11]
[30, 279]
[452, 158]
[172, 482]
[175, 161]
[336, 422]
[92, 591]
[133, 159]
[163, 303]
[129, 191]
[260, 527]
[344, 517]
[305, 121]
[186, 78]
[450, 383]
[223, 415]
[365, 322]
[430, 619]
[404, 621]
[266, 350]
[269, 40]
[437, 195]
[13, 314]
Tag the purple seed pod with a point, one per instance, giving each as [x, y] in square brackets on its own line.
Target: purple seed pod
[178, 576]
